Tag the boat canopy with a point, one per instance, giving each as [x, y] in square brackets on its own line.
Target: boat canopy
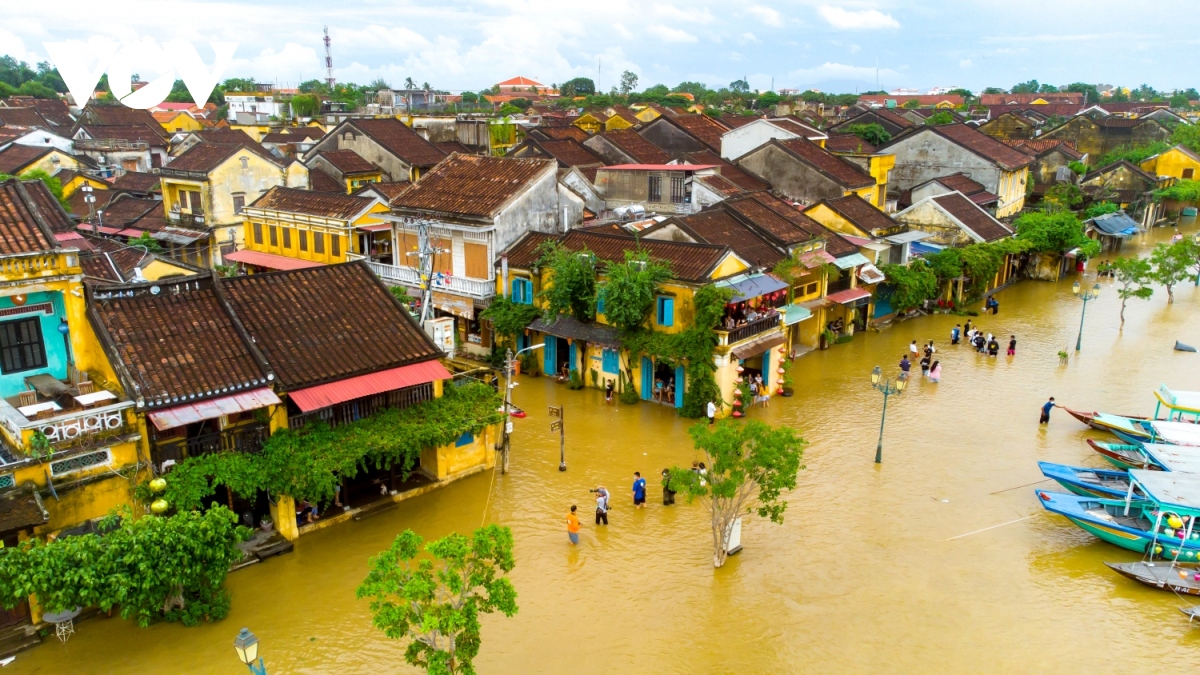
[1177, 433]
[1177, 401]
[1177, 458]
[749, 286]
[1170, 489]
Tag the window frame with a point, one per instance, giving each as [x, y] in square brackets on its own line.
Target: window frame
[19, 347]
[665, 311]
[258, 233]
[319, 243]
[654, 189]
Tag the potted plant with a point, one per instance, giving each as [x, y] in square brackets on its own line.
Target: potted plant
[527, 364]
[266, 525]
[827, 338]
[785, 380]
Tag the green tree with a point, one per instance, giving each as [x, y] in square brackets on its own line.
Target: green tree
[579, 86]
[657, 90]
[1187, 135]
[739, 86]
[1089, 91]
[994, 90]
[1030, 87]
[306, 105]
[1055, 232]
[521, 104]
[767, 100]
[1100, 209]
[52, 184]
[911, 104]
[470, 97]
[1172, 264]
[630, 288]
[243, 84]
[939, 118]
[965, 93]
[509, 109]
[146, 242]
[1135, 155]
[1064, 195]
[913, 284]
[313, 87]
[572, 283]
[750, 464]
[1047, 89]
[629, 81]
[696, 89]
[874, 134]
[1133, 275]
[436, 607]
[36, 89]
[509, 318]
[153, 568]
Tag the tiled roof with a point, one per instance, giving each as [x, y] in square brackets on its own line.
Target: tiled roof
[848, 143]
[960, 182]
[795, 126]
[16, 157]
[688, 261]
[1049, 110]
[525, 251]
[323, 182]
[702, 127]
[450, 147]
[718, 226]
[844, 173]
[720, 184]
[177, 346]
[884, 114]
[735, 121]
[205, 157]
[347, 161]
[401, 141]
[282, 139]
[124, 210]
[471, 185]
[921, 99]
[1036, 146]
[570, 152]
[24, 226]
[728, 170]
[22, 509]
[561, 133]
[9, 134]
[970, 215]
[641, 150]
[387, 190]
[55, 111]
[1122, 164]
[326, 323]
[1122, 122]
[227, 136]
[520, 81]
[121, 115]
[1029, 98]
[311, 133]
[135, 181]
[22, 117]
[308, 202]
[109, 259]
[860, 212]
[983, 145]
[77, 206]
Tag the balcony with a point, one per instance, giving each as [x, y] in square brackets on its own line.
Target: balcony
[247, 438]
[186, 218]
[748, 331]
[35, 265]
[65, 429]
[472, 288]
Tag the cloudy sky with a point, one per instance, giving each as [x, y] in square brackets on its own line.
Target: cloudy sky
[834, 45]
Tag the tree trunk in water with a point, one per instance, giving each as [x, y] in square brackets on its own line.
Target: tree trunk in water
[1123, 311]
[1170, 295]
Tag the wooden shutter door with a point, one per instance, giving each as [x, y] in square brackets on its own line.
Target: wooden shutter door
[476, 260]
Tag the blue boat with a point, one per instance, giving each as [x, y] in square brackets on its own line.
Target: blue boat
[1162, 525]
[1088, 482]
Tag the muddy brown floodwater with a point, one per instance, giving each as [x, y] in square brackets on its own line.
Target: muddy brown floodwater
[862, 575]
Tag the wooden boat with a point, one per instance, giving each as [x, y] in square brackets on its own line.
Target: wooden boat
[1124, 456]
[1134, 526]
[1128, 429]
[1089, 482]
[1190, 612]
[1089, 418]
[1182, 578]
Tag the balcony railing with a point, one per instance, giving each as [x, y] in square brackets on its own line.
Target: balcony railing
[475, 288]
[750, 330]
[247, 439]
[34, 265]
[65, 429]
[186, 218]
[350, 411]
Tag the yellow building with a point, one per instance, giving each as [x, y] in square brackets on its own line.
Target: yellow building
[286, 228]
[72, 180]
[591, 122]
[345, 166]
[620, 117]
[175, 121]
[210, 184]
[1178, 162]
[18, 159]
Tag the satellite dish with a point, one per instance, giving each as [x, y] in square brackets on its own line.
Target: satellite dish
[155, 290]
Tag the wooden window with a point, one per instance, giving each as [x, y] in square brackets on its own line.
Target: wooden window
[258, 233]
[335, 245]
[303, 240]
[443, 261]
[408, 245]
[677, 191]
[1188, 173]
[21, 345]
[319, 243]
[655, 189]
[476, 260]
[274, 235]
[287, 237]
[239, 203]
[666, 311]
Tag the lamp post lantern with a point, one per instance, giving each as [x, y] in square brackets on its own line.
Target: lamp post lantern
[1083, 295]
[246, 646]
[510, 362]
[887, 387]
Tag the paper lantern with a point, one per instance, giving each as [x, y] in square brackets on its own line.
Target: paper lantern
[781, 371]
[1157, 550]
[740, 370]
[737, 413]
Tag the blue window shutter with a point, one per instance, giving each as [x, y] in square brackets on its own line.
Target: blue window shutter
[611, 363]
[668, 312]
[659, 308]
[466, 438]
[647, 379]
[548, 355]
[514, 289]
[680, 381]
[572, 364]
[600, 302]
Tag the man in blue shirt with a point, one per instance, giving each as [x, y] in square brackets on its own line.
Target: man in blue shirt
[1050, 405]
[905, 364]
[639, 490]
[955, 333]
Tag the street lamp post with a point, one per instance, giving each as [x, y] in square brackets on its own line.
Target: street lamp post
[510, 362]
[1083, 295]
[246, 646]
[887, 387]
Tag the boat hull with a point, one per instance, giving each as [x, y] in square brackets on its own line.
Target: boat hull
[1163, 576]
[1124, 456]
[1092, 515]
[1088, 482]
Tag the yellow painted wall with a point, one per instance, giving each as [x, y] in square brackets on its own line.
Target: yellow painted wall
[879, 167]
[182, 122]
[447, 460]
[159, 268]
[46, 163]
[256, 131]
[589, 123]
[834, 221]
[347, 236]
[616, 122]
[1172, 163]
[78, 181]
[1012, 192]
[729, 266]
[647, 114]
[360, 180]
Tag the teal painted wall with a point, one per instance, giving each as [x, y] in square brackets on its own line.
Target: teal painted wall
[56, 351]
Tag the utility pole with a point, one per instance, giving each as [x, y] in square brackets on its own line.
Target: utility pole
[557, 425]
[329, 81]
[424, 253]
[510, 363]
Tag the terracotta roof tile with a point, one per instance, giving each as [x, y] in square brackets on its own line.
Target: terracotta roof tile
[323, 182]
[400, 140]
[23, 217]
[525, 251]
[324, 204]
[124, 210]
[16, 157]
[562, 133]
[735, 121]
[450, 147]
[347, 161]
[55, 111]
[205, 157]
[785, 222]
[311, 133]
[849, 144]
[983, 145]
[471, 185]
[975, 218]
[135, 181]
[387, 190]
[689, 262]
[718, 226]
[721, 185]
[77, 206]
[22, 117]
[227, 136]
[860, 212]
[728, 170]
[960, 182]
[633, 144]
[177, 346]
[1049, 110]
[702, 127]
[22, 509]
[844, 173]
[1028, 99]
[570, 152]
[310, 334]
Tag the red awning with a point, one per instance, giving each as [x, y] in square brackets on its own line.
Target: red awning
[212, 408]
[131, 232]
[380, 227]
[325, 395]
[848, 296]
[269, 260]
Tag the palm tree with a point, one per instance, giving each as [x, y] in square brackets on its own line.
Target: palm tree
[408, 83]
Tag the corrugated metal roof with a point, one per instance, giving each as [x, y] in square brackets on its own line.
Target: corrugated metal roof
[269, 260]
[169, 418]
[325, 395]
[847, 296]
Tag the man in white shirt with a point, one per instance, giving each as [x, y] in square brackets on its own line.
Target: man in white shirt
[912, 348]
[711, 412]
[601, 505]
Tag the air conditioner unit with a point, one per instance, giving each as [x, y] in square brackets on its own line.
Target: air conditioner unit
[441, 331]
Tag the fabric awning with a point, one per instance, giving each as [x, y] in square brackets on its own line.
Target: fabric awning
[851, 261]
[850, 296]
[757, 347]
[269, 260]
[332, 393]
[752, 286]
[212, 408]
[871, 274]
[379, 227]
[794, 314]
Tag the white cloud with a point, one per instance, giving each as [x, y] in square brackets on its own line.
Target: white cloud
[688, 16]
[866, 19]
[749, 37]
[964, 63]
[622, 30]
[668, 34]
[839, 71]
[767, 15]
[854, 49]
[1056, 38]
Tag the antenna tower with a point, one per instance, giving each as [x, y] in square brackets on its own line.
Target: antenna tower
[328, 62]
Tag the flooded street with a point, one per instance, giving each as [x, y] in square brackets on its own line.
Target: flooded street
[862, 575]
